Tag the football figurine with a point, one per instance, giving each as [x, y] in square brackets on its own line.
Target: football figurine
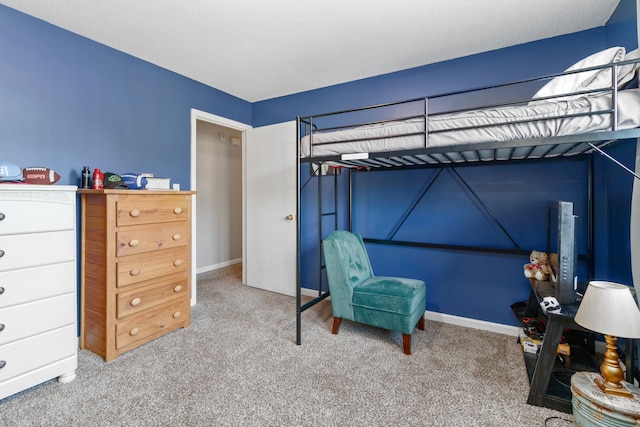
[39, 175]
[134, 181]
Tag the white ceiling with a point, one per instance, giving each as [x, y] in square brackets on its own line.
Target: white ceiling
[261, 49]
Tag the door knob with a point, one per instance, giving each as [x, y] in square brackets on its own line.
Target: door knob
[289, 217]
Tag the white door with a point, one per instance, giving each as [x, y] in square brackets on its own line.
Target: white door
[270, 245]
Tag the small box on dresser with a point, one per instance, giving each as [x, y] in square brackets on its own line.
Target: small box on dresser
[38, 286]
[136, 267]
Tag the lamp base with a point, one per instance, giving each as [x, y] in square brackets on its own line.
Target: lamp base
[614, 391]
[612, 375]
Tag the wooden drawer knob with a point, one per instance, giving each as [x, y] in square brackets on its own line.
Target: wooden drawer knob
[134, 272]
[178, 288]
[134, 242]
[134, 213]
[136, 301]
[176, 236]
[177, 314]
[134, 331]
[177, 263]
[177, 211]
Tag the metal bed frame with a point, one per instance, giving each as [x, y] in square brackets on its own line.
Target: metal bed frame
[445, 157]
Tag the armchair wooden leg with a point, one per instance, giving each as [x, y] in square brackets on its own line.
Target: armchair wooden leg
[336, 325]
[406, 343]
[421, 323]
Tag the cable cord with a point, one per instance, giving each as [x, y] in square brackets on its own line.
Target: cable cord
[562, 420]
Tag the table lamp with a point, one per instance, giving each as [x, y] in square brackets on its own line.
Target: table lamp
[610, 309]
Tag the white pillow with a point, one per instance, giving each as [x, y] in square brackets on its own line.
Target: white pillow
[585, 80]
[626, 72]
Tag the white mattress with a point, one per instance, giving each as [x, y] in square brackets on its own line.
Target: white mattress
[506, 117]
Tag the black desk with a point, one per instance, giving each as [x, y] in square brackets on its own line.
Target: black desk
[548, 377]
[544, 367]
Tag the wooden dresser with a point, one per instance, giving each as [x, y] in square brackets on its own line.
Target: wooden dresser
[136, 267]
[38, 285]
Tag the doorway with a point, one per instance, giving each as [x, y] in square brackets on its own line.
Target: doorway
[219, 208]
[217, 177]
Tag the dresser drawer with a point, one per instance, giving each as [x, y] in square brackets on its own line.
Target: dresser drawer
[30, 319]
[151, 322]
[135, 240]
[30, 250]
[36, 283]
[139, 268]
[38, 351]
[142, 298]
[132, 210]
[33, 216]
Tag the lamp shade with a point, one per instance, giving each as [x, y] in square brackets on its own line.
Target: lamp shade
[609, 308]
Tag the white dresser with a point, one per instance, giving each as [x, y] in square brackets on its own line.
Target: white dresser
[38, 285]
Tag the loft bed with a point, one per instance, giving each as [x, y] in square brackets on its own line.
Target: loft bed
[578, 112]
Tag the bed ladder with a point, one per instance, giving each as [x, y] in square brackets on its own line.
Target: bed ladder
[318, 171]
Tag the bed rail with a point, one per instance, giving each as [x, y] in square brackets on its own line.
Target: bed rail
[329, 137]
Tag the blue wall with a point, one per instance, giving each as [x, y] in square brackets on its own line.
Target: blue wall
[66, 102]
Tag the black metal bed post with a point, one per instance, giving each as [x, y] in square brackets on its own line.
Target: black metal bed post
[350, 205]
[590, 219]
[298, 246]
[335, 199]
[320, 215]
[426, 122]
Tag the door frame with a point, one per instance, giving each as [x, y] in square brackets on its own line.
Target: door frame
[198, 115]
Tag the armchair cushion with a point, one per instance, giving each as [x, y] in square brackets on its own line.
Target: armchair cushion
[392, 294]
[392, 303]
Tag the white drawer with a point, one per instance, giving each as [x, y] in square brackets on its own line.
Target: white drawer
[33, 216]
[35, 352]
[30, 319]
[30, 250]
[31, 284]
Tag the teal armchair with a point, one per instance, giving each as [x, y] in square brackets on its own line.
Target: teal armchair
[393, 303]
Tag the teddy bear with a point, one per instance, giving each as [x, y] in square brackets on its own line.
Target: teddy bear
[538, 266]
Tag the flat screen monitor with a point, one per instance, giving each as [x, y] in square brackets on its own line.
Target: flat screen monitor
[562, 250]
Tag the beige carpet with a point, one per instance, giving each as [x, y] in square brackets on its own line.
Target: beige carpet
[238, 364]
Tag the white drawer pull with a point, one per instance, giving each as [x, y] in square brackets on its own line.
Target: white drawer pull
[177, 263]
[177, 211]
[136, 301]
[133, 243]
[134, 213]
[134, 272]
[178, 288]
[177, 236]
[177, 314]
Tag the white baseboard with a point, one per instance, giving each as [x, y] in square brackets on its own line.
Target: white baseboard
[473, 323]
[309, 292]
[454, 320]
[217, 266]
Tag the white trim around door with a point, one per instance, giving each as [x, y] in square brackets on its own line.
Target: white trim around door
[221, 121]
